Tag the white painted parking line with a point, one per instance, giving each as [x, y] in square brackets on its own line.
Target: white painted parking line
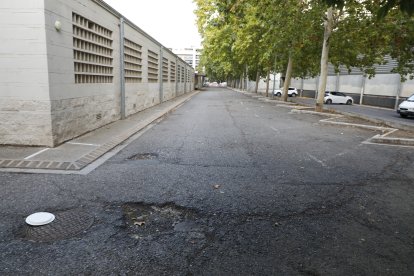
[83, 144]
[317, 160]
[275, 129]
[34, 154]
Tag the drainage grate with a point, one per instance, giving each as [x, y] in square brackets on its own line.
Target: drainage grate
[67, 224]
[143, 156]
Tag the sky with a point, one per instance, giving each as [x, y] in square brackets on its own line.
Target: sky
[171, 22]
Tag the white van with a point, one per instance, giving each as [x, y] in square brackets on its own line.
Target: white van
[406, 108]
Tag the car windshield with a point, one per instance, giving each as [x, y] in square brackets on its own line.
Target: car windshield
[411, 98]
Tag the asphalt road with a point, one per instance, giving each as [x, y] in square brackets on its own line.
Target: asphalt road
[225, 185]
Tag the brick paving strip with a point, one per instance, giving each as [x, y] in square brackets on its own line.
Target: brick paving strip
[90, 157]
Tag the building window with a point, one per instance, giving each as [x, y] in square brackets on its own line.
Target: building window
[132, 61]
[164, 70]
[152, 66]
[92, 51]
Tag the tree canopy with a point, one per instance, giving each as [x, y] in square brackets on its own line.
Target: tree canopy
[269, 35]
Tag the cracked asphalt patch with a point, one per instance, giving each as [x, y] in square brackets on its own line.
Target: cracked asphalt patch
[230, 193]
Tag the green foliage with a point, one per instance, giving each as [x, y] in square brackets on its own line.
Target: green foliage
[263, 34]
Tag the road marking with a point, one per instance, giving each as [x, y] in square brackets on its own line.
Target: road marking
[257, 116]
[317, 160]
[83, 144]
[34, 154]
[241, 103]
[275, 129]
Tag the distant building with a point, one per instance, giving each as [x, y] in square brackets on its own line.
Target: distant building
[190, 55]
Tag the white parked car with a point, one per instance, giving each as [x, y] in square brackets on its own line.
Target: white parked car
[406, 108]
[292, 92]
[337, 98]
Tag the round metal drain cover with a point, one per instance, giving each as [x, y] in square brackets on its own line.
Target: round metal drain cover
[143, 156]
[67, 224]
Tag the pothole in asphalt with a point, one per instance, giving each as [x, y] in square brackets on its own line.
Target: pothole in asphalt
[67, 224]
[143, 220]
[143, 156]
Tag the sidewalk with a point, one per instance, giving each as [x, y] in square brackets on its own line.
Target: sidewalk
[76, 154]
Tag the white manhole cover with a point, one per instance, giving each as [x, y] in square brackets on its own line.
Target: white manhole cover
[40, 218]
[67, 224]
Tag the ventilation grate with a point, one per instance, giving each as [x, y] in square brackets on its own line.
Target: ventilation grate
[132, 61]
[92, 51]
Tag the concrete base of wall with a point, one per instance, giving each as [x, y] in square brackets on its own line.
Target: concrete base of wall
[74, 117]
[25, 122]
[373, 100]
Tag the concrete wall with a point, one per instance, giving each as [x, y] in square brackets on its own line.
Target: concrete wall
[24, 81]
[38, 72]
[380, 90]
[274, 80]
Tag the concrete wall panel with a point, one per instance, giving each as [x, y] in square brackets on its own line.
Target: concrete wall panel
[37, 73]
[382, 85]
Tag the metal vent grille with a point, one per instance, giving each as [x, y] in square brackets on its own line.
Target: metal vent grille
[379, 68]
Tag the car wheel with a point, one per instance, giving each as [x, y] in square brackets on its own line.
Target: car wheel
[278, 94]
[293, 94]
[403, 115]
[328, 101]
[348, 102]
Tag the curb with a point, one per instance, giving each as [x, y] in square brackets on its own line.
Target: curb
[92, 156]
[392, 141]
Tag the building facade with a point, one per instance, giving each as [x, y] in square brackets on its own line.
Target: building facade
[190, 55]
[68, 67]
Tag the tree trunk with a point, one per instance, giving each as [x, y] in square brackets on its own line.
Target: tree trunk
[247, 78]
[324, 60]
[241, 82]
[267, 83]
[257, 81]
[288, 77]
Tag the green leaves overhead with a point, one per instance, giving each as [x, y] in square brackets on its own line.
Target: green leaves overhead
[263, 34]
